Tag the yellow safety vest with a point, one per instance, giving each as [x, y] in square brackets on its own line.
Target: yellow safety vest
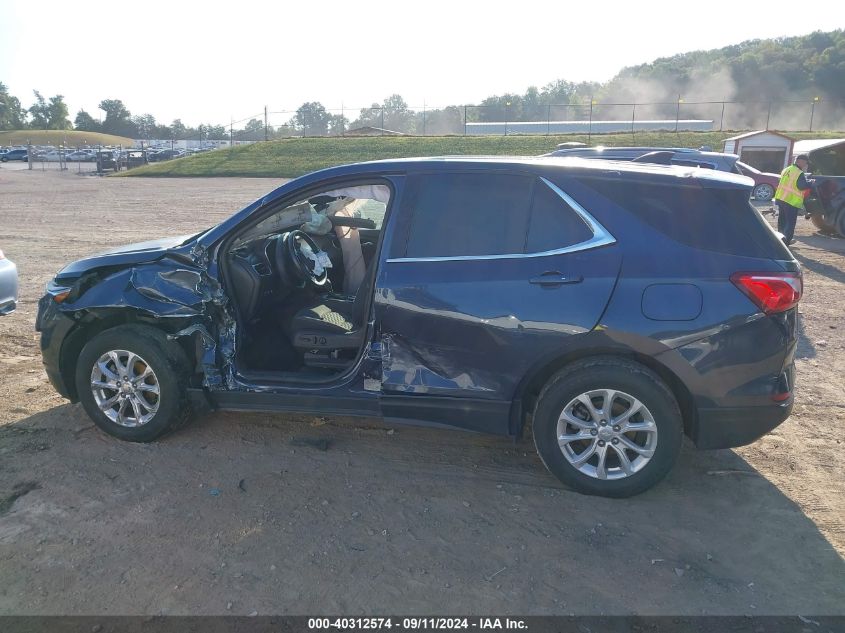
[788, 190]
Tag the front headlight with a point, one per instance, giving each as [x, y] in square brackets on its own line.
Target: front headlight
[59, 291]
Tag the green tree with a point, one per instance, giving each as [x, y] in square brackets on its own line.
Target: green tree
[178, 129]
[338, 124]
[449, 120]
[368, 117]
[12, 115]
[39, 111]
[57, 114]
[145, 124]
[118, 118]
[85, 122]
[215, 132]
[397, 115]
[253, 131]
[311, 119]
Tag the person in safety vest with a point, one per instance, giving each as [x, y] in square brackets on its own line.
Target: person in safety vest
[789, 196]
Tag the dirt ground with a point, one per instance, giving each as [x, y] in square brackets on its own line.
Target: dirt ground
[273, 514]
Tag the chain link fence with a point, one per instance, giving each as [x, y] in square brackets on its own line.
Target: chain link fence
[508, 118]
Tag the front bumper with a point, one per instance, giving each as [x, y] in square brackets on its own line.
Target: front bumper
[54, 328]
[729, 427]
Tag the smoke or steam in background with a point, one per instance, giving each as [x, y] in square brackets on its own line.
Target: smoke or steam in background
[702, 95]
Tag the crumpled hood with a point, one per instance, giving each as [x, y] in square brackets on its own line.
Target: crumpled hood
[127, 255]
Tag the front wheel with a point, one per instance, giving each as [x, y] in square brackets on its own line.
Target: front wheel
[763, 192]
[607, 426]
[131, 381]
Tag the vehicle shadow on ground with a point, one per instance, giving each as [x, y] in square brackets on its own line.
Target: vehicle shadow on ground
[282, 514]
[831, 243]
[804, 348]
[831, 272]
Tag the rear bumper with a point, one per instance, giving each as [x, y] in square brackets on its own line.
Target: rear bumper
[728, 427]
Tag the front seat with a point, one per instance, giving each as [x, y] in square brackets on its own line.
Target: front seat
[332, 326]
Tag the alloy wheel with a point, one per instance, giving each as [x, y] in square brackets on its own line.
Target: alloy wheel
[607, 434]
[125, 388]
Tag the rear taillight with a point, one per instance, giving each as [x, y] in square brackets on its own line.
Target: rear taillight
[2, 256]
[771, 292]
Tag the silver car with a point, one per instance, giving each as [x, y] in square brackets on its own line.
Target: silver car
[8, 285]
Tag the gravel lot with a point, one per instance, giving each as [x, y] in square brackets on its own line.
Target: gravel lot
[247, 513]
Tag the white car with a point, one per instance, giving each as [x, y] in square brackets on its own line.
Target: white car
[54, 156]
[80, 156]
[8, 285]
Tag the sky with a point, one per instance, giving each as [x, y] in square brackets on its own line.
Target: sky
[208, 62]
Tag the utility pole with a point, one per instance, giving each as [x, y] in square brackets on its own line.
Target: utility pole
[813, 111]
[465, 120]
[507, 105]
[678, 112]
[266, 134]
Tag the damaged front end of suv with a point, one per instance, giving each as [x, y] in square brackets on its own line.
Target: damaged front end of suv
[163, 283]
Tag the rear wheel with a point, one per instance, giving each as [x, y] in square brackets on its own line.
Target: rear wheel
[822, 224]
[131, 381]
[763, 192]
[607, 426]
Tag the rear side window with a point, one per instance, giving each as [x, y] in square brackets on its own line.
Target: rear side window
[721, 220]
[469, 214]
[553, 224]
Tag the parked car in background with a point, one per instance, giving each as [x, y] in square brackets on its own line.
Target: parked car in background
[681, 156]
[53, 156]
[165, 154]
[108, 160]
[765, 183]
[603, 301]
[8, 285]
[81, 156]
[15, 154]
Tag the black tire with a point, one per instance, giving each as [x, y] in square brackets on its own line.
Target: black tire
[840, 222]
[820, 222]
[165, 358]
[625, 376]
[763, 192]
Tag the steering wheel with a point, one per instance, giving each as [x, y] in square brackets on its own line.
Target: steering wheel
[299, 268]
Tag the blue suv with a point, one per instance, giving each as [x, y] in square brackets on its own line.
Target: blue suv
[607, 308]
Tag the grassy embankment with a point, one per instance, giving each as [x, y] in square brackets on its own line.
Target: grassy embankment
[289, 158]
[72, 138]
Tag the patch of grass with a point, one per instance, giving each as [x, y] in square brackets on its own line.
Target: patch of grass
[294, 157]
[73, 138]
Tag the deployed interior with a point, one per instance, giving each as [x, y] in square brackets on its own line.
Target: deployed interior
[301, 280]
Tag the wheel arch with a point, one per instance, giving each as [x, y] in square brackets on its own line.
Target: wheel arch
[531, 385]
[90, 323]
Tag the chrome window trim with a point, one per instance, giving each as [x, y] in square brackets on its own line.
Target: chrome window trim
[601, 237]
